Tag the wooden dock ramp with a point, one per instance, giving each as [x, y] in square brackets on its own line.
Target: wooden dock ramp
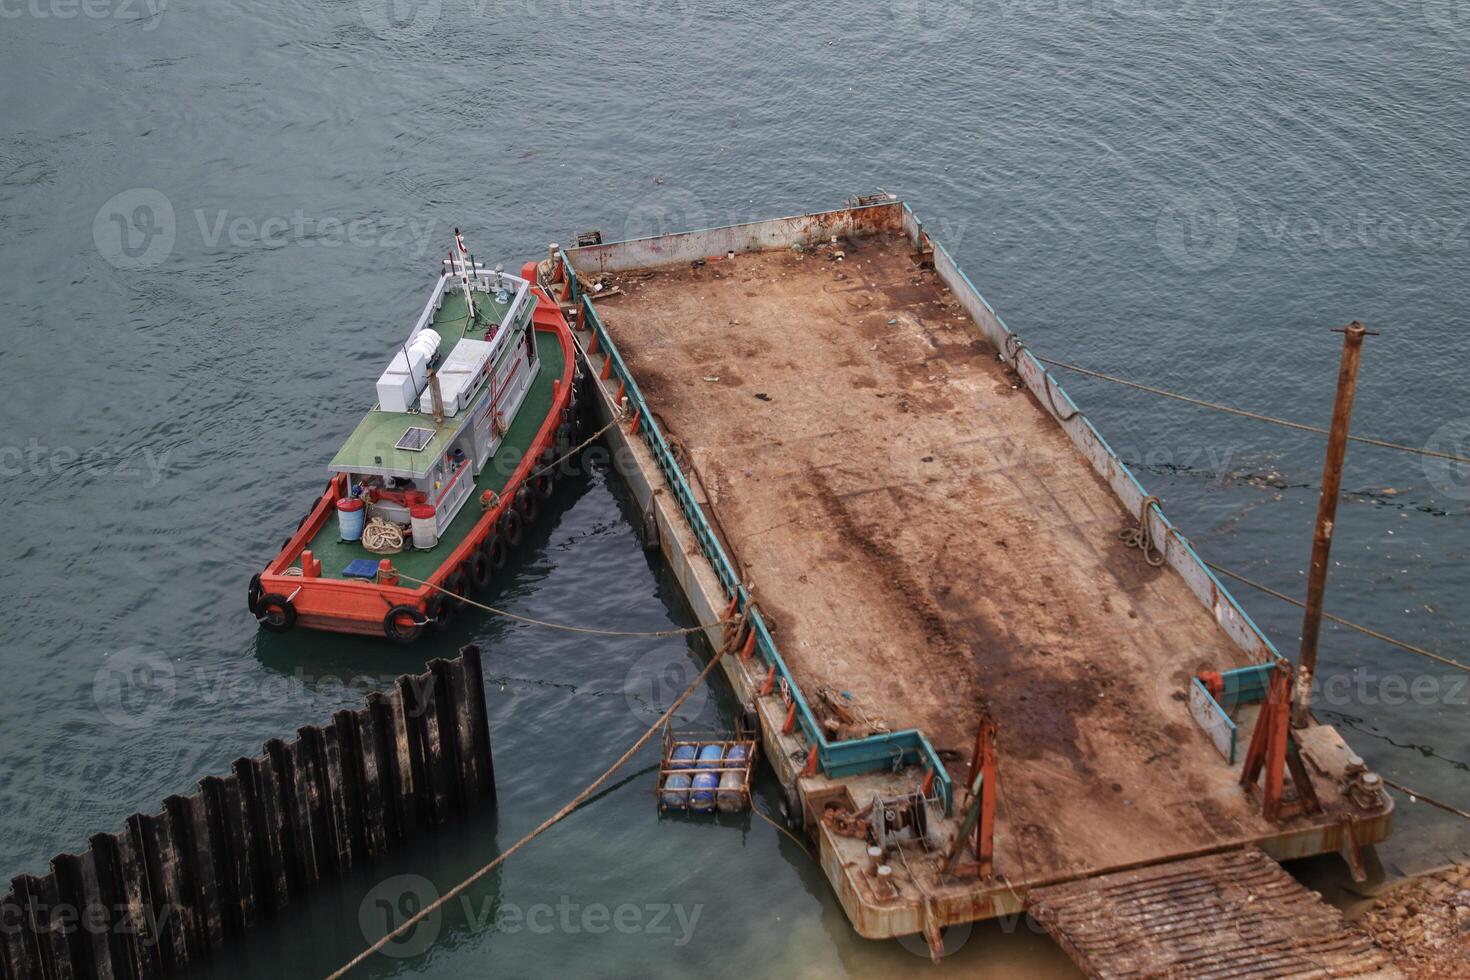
[1233, 914]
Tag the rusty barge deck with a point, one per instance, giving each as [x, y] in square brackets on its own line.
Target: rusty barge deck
[826, 417]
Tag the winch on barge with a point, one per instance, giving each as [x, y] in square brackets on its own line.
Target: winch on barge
[439, 480]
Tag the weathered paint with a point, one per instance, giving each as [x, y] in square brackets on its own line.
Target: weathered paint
[694, 552]
[837, 758]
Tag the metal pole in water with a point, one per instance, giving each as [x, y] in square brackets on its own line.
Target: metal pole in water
[1342, 413]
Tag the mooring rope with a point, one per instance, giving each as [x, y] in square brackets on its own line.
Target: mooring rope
[1340, 621]
[1418, 796]
[685, 631]
[796, 840]
[618, 415]
[546, 825]
[1257, 416]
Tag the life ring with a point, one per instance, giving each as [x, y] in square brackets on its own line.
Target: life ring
[528, 504]
[544, 485]
[477, 569]
[275, 613]
[440, 610]
[400, 632]
[254, 593]
[511, 526]
[493, 548]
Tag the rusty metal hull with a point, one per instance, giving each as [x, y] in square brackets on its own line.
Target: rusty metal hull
[628, 351]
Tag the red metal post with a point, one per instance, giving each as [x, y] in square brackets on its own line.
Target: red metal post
[985, 834]
[1277, 732]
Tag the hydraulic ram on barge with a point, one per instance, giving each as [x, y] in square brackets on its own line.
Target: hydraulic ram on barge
[827, 420]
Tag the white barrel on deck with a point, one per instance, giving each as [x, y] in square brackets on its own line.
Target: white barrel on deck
[424, 520]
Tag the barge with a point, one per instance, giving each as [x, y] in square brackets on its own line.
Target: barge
[977, 691]
[438, 481]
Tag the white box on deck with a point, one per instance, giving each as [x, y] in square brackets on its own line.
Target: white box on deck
[401, 382]
[461, 373]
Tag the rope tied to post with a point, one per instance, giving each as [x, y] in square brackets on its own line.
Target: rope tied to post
[1142, 536]
[1013, 347]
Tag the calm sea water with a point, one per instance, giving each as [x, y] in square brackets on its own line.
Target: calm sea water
[216, 218]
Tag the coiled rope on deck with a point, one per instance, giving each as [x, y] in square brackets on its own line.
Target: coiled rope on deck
[546, 825]
[382, 537]
[1142, 536]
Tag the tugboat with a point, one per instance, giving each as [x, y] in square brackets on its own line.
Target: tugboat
[438, 482]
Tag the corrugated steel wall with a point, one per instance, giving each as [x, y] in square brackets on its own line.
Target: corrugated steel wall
[173, 887]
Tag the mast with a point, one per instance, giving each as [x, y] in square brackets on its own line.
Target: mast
[466, 270]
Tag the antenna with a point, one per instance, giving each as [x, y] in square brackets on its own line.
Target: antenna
[464, 276]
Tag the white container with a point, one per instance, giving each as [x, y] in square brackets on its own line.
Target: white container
[425, 524]
[454, 390]
[400, 384]
[468, 357]
[463, 371]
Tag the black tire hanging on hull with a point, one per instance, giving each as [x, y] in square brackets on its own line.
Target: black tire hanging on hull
[275, 613]
[493, 548]
[440, 610]
[477, 569]
[400, 632]
[544, 485]
[511, 527]
[529, 505]
[795, 818]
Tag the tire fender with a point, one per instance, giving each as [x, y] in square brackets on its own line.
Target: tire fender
[493, 548]
[511, 527]
[399, 632]
[477, 569]
[275, 613]
[440, 610]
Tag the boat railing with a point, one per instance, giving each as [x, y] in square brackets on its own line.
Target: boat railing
[481, 283]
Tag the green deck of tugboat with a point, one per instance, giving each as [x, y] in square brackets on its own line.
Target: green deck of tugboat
[335, 554]
[371, 445]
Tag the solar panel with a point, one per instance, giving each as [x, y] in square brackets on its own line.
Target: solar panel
[414, 439]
